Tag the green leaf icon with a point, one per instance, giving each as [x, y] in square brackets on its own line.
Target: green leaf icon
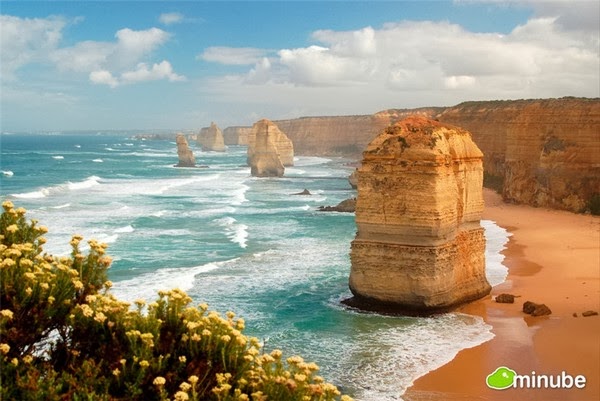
[502, 378]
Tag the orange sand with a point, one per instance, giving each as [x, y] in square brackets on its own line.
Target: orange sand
[553, 258]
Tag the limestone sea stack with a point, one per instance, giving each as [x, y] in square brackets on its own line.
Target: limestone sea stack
[282, 143]
[419, 245]
[263, 155]
[186, 157]
[211, 139]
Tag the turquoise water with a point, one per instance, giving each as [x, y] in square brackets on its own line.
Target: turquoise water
[236, 242]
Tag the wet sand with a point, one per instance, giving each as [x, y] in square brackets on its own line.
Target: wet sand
[553, 258]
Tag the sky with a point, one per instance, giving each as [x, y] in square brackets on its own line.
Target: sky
[122, 65]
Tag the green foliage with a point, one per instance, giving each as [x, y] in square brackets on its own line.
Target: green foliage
[594, 204]
[494, 182]
[63, 336]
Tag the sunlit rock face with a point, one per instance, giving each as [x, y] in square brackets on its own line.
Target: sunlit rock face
[211, 139]
[269, 150]
[186, 157]
[419, 244]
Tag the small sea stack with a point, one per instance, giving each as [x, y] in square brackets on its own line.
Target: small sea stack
[185, 154]
[211, 139]
[419, 246]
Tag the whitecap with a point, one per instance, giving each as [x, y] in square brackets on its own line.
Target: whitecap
[496, 239]
[146, 286]
[88, 183]
[236, 232]
[98, 161]
[42, 193]
[126, 229]
[61, 206]
[7, 173]
[58, 157]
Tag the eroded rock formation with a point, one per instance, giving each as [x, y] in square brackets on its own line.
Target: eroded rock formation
[186, 157]
[546, 152]
[283, 144]
[264, 156]
[211, 139]
[419, 245]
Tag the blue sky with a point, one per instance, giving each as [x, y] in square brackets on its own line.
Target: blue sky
[180, 65]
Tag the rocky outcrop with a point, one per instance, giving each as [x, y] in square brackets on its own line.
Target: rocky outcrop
[419, 245]
[264, 157]
[345, 206]
[186, 157]
[211, 139]
[236, 135]
[545, 152]
[283, 144]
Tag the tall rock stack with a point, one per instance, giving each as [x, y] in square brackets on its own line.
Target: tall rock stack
[211, 139]
[186, 157]
[282, 143]
[264, 156]
[419, 245]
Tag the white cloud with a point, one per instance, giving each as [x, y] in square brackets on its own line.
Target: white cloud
[170, 18]
[103, 77]
[162, 70]
[27, 40]
[232, 55]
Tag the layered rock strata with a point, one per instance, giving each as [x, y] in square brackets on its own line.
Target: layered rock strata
[184, 153]
[211, 139]
[546, 152]
[419, 245]
[265, 158]
[283, 144]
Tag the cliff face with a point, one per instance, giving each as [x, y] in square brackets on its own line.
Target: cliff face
[341, 135]
[236, 135]
[263, 154]
[419, 244]
[186, 157]
[211, 139]
[283, 144]
[546, 152]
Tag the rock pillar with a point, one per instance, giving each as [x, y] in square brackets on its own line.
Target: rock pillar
[419, 245]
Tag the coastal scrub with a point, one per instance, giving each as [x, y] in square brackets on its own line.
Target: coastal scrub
[64, 336]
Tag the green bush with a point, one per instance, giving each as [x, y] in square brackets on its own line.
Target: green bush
[63, 336]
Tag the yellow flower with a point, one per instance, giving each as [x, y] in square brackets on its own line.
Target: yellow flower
[182, 359]
[116, 372]
[276, 353]
[108, 284]
[7, 205]
[7, 313]
[159, 381]
[15, 361]
[4, 348]
[28, 290]
[77, 284]
[181, 396]
[51, 299]
[13, 228]
[225, 338]
[185, 386]
[100, 317]
[144, 364]
[193, 379]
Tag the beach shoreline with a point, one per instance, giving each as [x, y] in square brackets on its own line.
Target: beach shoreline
[553, 258]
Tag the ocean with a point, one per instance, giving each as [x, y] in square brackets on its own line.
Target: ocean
[239, 243]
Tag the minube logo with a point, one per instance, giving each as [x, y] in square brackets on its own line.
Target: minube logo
[503, 378]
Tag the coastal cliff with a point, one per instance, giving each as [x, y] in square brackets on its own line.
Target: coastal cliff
[211, 139]
[540, 152]
[419, 245]
[544, 152]
[264, 157]
[342, 135]
[236, 135]
[184, 153]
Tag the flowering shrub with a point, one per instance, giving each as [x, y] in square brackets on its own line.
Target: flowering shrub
[63, 336]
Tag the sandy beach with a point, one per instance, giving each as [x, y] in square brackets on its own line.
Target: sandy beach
[553, 258]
